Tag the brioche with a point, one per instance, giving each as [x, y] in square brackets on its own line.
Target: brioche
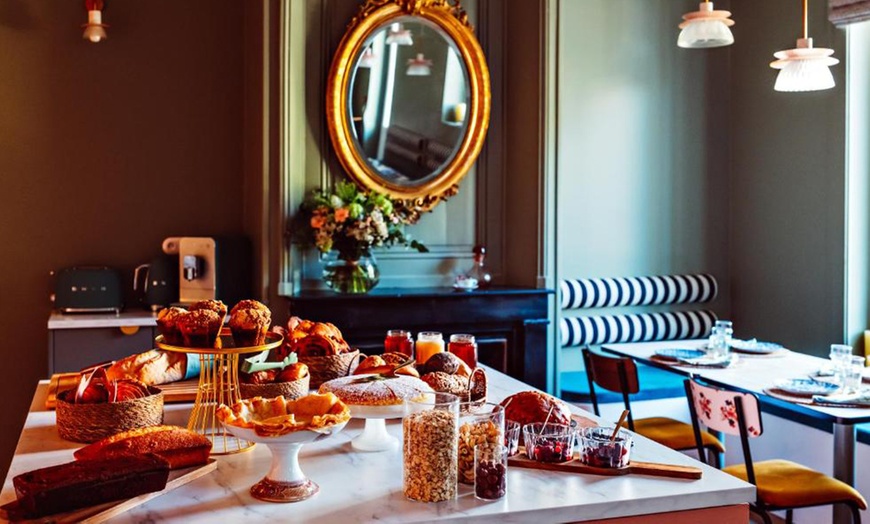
[180, 447]
[85, 483]
[527, 407]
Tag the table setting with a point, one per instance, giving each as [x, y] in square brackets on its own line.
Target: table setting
[839, 383]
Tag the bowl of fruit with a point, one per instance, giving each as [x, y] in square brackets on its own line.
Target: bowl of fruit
[599, 447]
[549, 442]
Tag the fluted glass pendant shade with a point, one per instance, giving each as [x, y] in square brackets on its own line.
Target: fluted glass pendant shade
[706, 28]
[805, 68]
[419, 66]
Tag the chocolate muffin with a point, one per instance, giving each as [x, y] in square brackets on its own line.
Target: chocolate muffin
[167, 324]
[200, 328]
[249, 323]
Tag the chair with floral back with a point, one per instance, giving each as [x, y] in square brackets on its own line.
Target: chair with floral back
[780, 484]
[619, 374]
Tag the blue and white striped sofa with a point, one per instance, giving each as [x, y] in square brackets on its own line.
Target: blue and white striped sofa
[576, 330]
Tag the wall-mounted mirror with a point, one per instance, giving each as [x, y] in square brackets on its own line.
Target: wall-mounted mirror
[408, 100]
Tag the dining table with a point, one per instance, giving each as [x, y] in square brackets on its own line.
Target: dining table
[759, 373]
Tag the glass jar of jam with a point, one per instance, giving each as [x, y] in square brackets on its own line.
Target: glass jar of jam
[399, 341]
[428, 343]
[464, 347]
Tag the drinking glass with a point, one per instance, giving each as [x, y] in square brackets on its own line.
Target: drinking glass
[840, 355]
[853, 373]
[720, 338]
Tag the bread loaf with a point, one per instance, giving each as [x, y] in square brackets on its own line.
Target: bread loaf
[86, 483]
[527, 407]
[151, 367]
[179, 446]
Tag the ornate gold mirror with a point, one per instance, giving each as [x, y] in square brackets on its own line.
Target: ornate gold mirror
[408, 99]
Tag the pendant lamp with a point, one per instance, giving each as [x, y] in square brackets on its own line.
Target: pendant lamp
[805, 68]
[419, 66]
[399, 36]
[706, 28]
[95, 28]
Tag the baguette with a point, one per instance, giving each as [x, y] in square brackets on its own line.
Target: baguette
[179, 446]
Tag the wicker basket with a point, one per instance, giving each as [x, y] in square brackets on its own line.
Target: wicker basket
[92, 422]
[329, 367]
[293, 389]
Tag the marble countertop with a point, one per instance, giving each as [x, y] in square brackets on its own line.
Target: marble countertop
[101, 320]
[363, 487]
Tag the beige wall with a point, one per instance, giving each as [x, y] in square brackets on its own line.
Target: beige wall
[107, 149]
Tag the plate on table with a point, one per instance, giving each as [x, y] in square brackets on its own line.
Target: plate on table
[677, 355]
[755, 347]
[806, 387]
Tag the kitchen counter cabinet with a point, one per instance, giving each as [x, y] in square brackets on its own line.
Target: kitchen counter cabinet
[363, 487]
[78, 341]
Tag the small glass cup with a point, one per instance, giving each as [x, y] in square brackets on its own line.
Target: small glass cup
[840, 355]
[720, 339]
[597, 450]
[549, 442]
[490, 471]
[853, 373]
[512, 436]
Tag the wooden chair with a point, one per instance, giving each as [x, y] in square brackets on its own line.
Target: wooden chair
[619, 374]
[780, 484]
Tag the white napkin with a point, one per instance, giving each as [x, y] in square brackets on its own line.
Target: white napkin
[710, 361]
[862, 398]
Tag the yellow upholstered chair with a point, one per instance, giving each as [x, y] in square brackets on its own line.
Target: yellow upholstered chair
[619, 374]
[780, 484]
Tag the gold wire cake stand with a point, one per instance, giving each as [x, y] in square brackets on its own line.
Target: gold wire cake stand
[219, 384]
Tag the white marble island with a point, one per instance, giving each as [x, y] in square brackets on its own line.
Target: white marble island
[365, 487]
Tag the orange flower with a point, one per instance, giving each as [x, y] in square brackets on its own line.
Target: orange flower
[341, 214]
[318, 221]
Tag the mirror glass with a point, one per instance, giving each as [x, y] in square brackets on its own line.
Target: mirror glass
[408, 101]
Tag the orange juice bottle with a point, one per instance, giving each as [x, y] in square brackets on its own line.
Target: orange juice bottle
[428, 343]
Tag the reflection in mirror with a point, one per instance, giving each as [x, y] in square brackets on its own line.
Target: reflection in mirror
[409, 97]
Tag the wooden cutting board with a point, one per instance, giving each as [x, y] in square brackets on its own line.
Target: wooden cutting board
[638, 468]
[104, 512]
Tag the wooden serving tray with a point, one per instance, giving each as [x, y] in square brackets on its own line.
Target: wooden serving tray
[638, 468]
[104, 512]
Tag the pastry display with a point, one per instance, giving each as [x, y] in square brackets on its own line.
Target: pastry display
[249, 323]
[200, 328]
[151, 368]
[527, 407]
[279, 416]
[79, 484]
[167, 324]
[179, 446]
[376, 390]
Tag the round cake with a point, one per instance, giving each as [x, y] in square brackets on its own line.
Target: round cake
[374, 390]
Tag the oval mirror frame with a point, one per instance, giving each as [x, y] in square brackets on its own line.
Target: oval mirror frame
[453, 20]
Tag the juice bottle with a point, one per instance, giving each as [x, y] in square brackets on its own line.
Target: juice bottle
[464, 347]
[399, 341]
[428, 343]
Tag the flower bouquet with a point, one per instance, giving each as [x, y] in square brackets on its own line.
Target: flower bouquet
[346, 225]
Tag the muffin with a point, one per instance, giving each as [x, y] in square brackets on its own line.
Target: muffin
[213, 305]
[167, 324]
[200, 328]
[249, 323]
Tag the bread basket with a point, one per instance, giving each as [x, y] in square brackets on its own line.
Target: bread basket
[92, 422]
[329, 367]
[293, 389]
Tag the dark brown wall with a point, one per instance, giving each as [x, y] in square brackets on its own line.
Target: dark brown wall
[105, 150]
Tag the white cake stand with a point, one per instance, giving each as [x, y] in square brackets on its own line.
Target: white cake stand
[285, 481]
[374, 436]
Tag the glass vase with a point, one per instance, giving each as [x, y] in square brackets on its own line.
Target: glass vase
[350, 276]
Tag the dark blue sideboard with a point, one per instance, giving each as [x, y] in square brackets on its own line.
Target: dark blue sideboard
[510, 323]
